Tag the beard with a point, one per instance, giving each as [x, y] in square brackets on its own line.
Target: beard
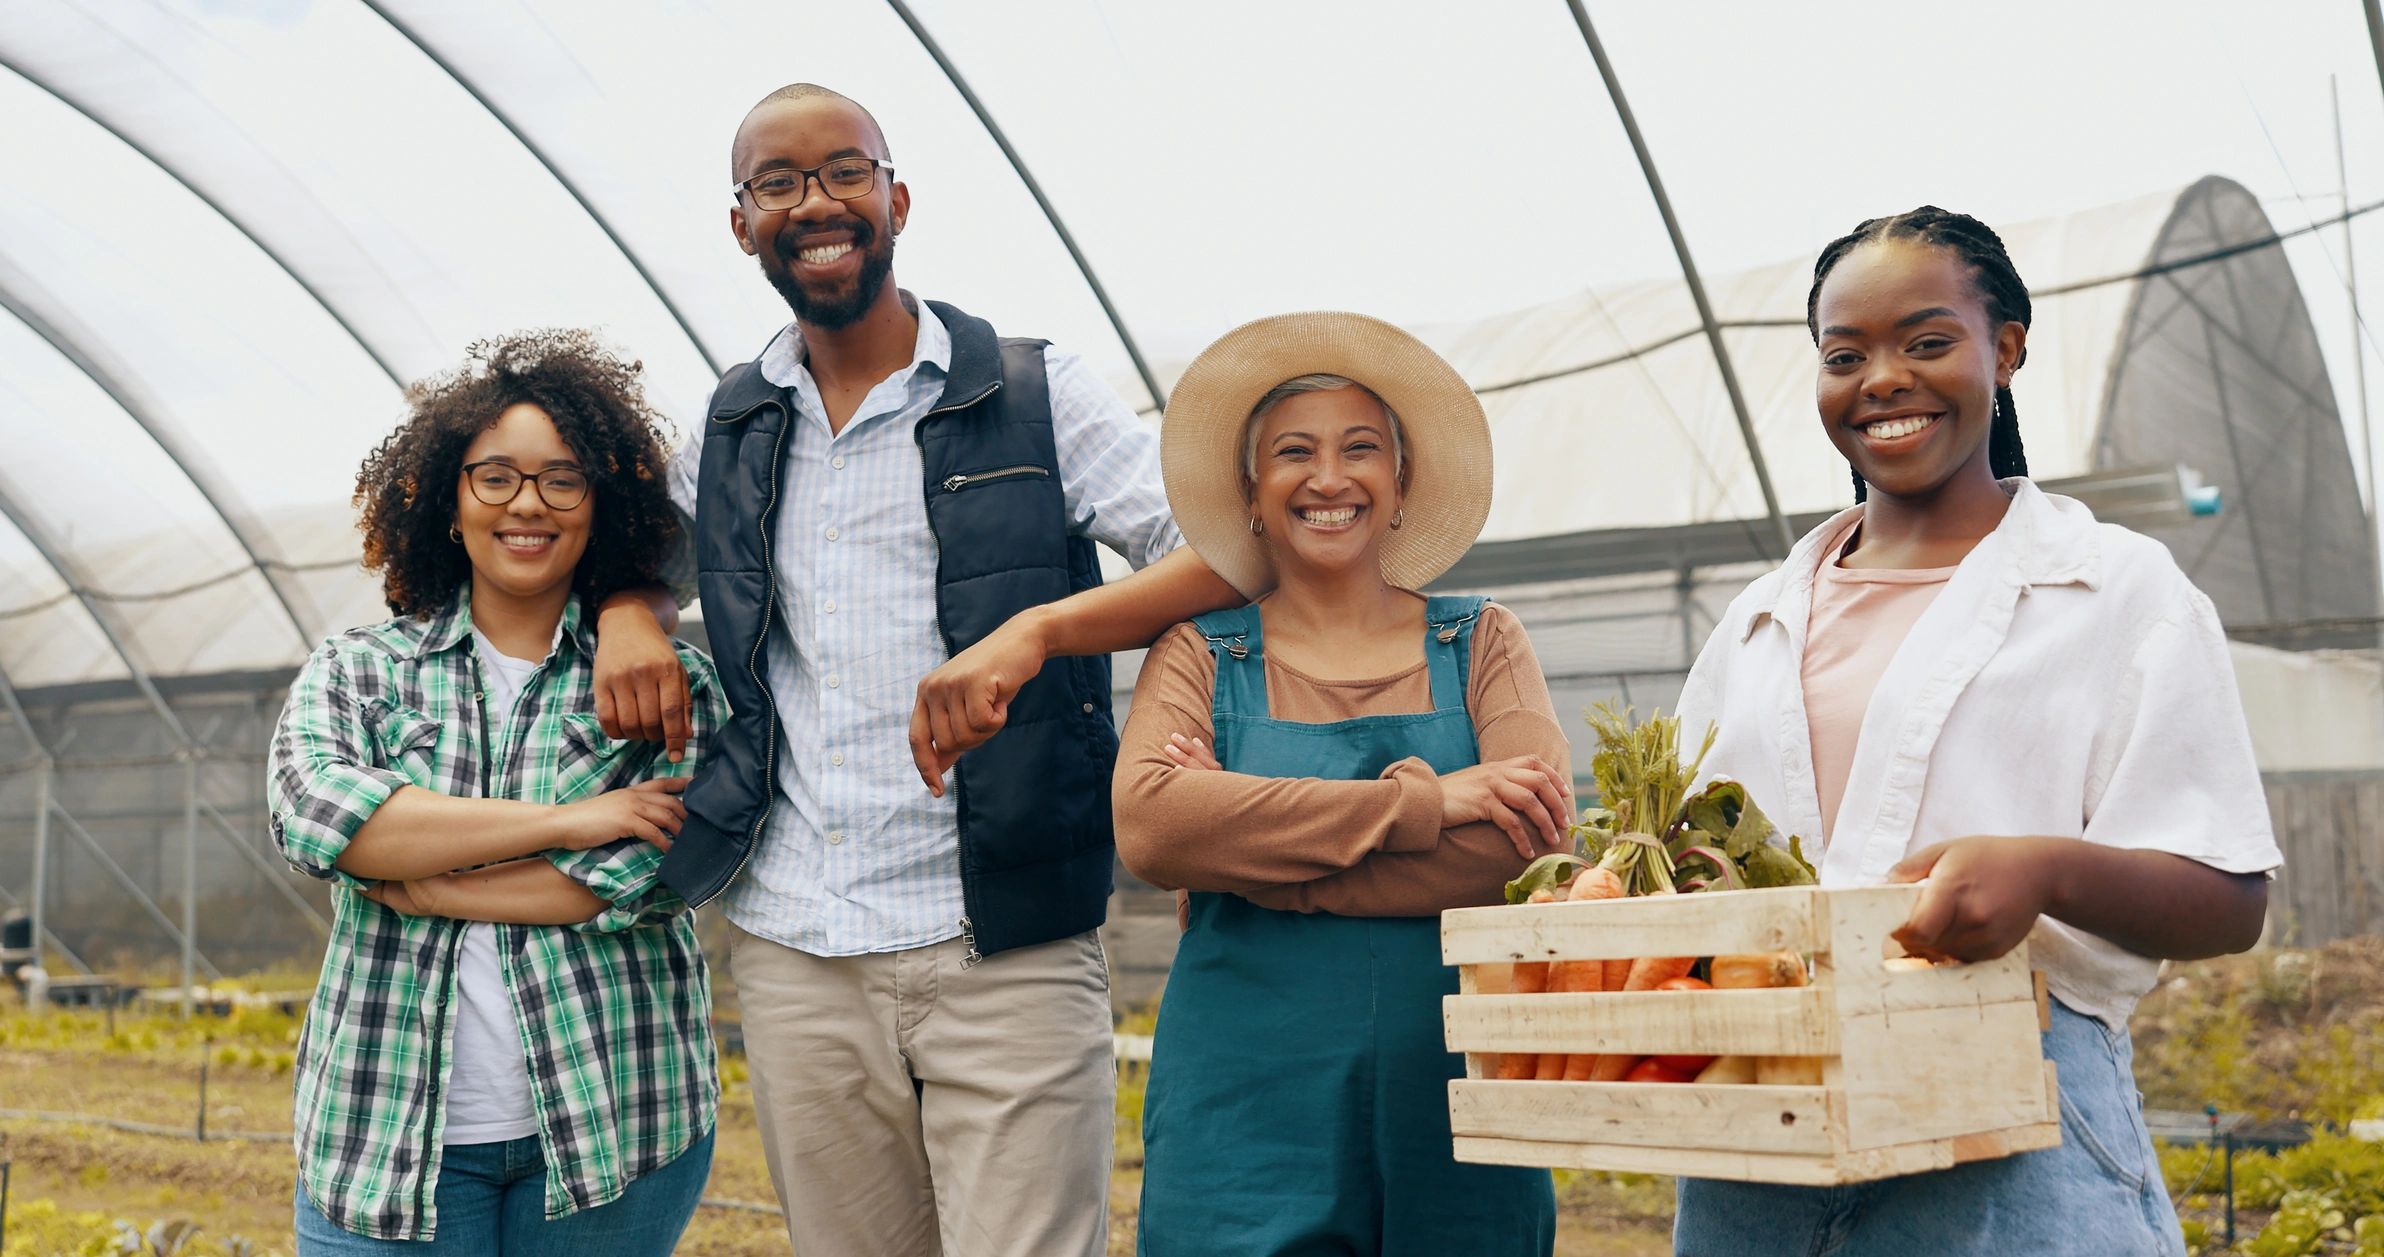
[836, 309]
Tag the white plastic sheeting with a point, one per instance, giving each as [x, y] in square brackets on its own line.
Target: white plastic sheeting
[230, 231]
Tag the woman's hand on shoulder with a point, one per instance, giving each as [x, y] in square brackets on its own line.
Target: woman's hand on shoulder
[1523, 796]
[1981, 894]
[650, 810]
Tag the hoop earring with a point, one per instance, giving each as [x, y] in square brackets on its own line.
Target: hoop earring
[1398, 517]
[1257, 528]
[455, 534]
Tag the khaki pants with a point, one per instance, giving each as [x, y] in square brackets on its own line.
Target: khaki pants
[912, 1107]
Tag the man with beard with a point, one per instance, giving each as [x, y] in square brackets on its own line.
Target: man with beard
[888, 489]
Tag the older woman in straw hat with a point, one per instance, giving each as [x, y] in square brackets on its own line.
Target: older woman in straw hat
[1324, 771]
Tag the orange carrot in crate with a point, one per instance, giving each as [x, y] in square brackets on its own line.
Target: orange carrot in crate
[1758, 972]
[1651, 974]
[1531, 978]
[1655, 1069]
[1690, 1063]
[1639, 975]
[1595, 882]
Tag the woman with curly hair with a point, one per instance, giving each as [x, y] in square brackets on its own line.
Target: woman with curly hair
[510, 1046]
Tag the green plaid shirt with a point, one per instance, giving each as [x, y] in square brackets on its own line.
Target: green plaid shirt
[615, 1013]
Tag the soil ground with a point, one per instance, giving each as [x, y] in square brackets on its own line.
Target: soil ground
[2279, 1034]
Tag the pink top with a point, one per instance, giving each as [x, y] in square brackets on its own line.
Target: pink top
[1860, 617]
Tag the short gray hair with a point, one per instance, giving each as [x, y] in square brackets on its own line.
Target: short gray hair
[1316, 382]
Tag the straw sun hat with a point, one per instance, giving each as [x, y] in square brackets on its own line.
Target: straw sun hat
[1447, 441]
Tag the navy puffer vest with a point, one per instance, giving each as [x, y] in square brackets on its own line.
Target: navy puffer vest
[1035, 838]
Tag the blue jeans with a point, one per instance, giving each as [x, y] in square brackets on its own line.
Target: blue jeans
[2099, 1194]
[492, 1203]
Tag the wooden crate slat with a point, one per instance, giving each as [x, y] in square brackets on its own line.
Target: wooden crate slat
[1867, 1164]
[1741, 1118]
[1861, 993]
[1984, 1070]
[1793, 1168]
[1758, 1167]
[1617, 929]
[1788, 1022]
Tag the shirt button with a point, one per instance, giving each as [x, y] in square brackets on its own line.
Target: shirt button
[829, 606]
[837, 759]
[1088, 709]
[831, 534]
[835, 837]
[837, 462]
[834, 680]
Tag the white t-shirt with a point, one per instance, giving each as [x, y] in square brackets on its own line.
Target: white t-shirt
[488, 1081]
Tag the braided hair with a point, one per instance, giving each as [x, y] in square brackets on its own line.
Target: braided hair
[1991, 275]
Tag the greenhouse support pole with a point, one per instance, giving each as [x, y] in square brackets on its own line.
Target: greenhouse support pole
[554, 170]
[277, 878]
[2375, 36]
[41, 856]
[2367, 435]
[190, 873]
[124, 882]
[2342, 173]
[1051, 214]
[1688, 271]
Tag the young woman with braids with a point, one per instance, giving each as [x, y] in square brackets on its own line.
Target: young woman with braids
[510, 1048]
[1967, 680]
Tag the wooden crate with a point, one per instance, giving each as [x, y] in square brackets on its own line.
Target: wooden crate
[1923, 1069]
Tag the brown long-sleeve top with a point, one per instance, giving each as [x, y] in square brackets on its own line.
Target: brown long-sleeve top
[1356, 848]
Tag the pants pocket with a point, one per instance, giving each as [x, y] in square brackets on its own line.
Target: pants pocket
[2099, 1104]
[1100, 956]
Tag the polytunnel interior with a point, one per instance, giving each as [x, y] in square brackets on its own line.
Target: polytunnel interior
[230, 234]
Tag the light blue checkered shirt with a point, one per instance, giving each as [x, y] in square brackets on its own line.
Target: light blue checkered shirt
[858, 857]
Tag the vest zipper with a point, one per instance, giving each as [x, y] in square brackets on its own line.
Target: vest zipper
[968, 894]
[753, 661]
[954, 484]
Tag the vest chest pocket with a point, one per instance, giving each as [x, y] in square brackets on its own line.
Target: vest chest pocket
[408, 743]
[993, 475]
[590, 762]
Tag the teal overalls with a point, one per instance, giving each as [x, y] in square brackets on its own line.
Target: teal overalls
[1298, 1100]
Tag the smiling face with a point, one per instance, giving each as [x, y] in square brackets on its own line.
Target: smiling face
[829, 259]
[524, 548]
[1327, 483]
[1909, 366]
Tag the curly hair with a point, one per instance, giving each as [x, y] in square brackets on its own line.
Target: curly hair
[405, 491]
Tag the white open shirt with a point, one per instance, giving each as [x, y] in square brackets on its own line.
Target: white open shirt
[2069, 681]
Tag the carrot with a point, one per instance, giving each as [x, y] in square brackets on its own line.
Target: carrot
[1531, 978]
[1650, 973]
[1728, 1069]
[1609, 1068]
[1759, 972]
[1580, 975]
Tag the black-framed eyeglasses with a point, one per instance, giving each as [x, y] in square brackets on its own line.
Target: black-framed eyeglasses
[561, 488]
[844, 179]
